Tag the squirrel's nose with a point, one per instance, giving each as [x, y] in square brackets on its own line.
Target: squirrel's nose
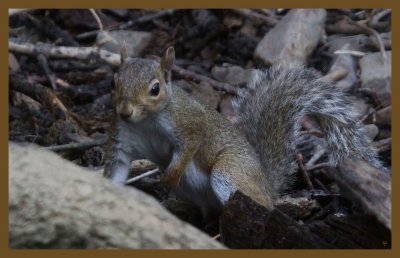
[125, 114]
[124, 111]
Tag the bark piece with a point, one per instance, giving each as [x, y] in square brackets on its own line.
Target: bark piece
[383, 117]
[367, 186]
[376, 76]
[293, 38]
[245, 224]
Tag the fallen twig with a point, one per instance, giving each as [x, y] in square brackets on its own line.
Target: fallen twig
[47, 71]
[17, 11]
[64, 52]
[146, 174]
[323, 187]
[271, 21]
[319, 165]
[143, 19]
[371, 31]
[366, 116]
[314, 132]
[310, 128]
[349, 52]
[303, 171]
[321, 151]
[190, 75]
[383, 145]
[147, 18]
[216, 236]
[38, 92]
[47, 27]
[379, 15]
[97, 18]
[335, 75]
[77, 145]
[107, 37]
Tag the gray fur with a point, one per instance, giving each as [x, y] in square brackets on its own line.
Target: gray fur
[271, 111]
[131, 142]
[195, 187]
[222, 186]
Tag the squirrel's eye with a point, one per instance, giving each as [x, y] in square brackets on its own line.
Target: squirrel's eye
[155, 89]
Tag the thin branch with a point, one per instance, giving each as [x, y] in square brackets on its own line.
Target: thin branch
[323, 187]
[47, 71]
[379, 39]
[321, 151]
[77, 145]
[317, 166]
[148, 18]
[17, 11]
[371, 31]
[314, 132]
[64, 52]
[190, 75]
[304, 171]
[146, 174]
[383, 145]
[349, 52]
[335, 75]
[216, 236]
[97, 18]
[310, 128]
[375, 19]
[143, 19]
[51, 30]
[38, 92]
[271, 21]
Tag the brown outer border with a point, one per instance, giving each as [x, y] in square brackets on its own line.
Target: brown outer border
[5, 4]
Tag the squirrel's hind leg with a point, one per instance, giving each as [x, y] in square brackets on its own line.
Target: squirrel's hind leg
[221, 185]
[225, 183]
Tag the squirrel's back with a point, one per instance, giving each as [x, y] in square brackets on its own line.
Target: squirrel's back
[270, 114]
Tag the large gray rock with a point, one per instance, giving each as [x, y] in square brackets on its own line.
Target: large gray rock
[376, 76]
[56, 204]
[293, 38]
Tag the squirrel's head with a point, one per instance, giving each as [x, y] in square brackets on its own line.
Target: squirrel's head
[142, 86]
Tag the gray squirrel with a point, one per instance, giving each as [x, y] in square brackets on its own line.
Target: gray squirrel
[203, 157]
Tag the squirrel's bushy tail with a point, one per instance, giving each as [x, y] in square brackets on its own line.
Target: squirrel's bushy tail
[270, 114]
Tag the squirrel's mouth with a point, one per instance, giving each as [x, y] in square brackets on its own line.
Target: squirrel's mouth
[132, 114]
[134, 117]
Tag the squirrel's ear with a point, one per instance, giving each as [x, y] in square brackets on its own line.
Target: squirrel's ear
[168, 59]
[124, 53]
